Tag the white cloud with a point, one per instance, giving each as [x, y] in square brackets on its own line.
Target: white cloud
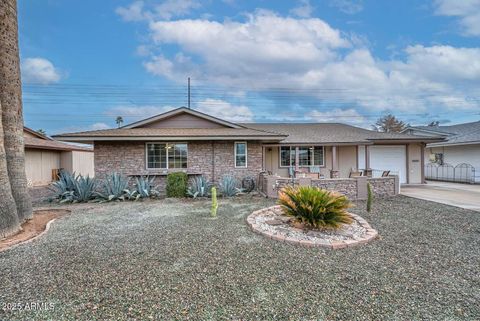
[39, 70]
[307, 56]
[348, 6]
[337, 115]
[225, 110]
[304, 10]
[168, 9]
[99, 126]
[134, 12]
[137, 112]
[468, 11]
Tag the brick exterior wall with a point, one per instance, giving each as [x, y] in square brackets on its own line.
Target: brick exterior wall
[211, 159]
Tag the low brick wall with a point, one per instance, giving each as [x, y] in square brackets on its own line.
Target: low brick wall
[353, 188]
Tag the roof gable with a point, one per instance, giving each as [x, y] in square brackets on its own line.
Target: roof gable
[182, 118]
[27, 132]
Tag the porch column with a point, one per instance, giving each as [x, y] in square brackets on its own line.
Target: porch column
[334, 173]
[264, 167]
[297, 158]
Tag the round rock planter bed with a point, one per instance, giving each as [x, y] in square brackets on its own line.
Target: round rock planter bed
[272, 223]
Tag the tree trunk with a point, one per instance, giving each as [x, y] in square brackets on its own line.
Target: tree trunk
[8, 211]
[11, 100]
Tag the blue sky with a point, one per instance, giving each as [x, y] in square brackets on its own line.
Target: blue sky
[86, 62]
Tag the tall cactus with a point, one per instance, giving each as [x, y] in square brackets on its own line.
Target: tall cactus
[369, 197]
[213, 212]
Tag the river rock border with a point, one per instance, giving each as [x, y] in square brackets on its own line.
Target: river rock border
[368, 235]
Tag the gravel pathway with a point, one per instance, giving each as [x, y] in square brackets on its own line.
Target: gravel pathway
[166, 260]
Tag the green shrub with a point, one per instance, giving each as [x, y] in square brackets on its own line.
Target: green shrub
[177, 184]
[199, 187]
[369, 197]
[315, 207]
[229, 186]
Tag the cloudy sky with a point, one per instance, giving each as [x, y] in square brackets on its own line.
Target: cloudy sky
[86, 62]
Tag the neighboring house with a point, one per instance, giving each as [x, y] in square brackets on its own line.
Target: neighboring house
[460, 148]
[190, 141]
[45, 156]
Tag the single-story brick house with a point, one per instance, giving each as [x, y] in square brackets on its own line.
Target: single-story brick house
[187, 140]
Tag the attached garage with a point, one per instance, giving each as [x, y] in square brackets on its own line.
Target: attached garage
[391, 158]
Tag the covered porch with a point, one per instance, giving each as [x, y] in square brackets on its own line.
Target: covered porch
[317, 161]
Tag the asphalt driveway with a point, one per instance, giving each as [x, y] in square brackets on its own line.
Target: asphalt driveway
[460, 195]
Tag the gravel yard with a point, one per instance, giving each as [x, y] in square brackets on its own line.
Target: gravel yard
[167, 260]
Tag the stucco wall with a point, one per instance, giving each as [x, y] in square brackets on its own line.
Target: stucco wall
[455, 155]
[272, 162]
[211, 159]
[39, 165]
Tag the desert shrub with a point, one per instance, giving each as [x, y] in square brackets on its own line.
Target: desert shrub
[248, 184]
[199, 187]
[177, 184]
[315, 207]
[369, 197]
[229, 186]
[71, 188]
[145, 187]
[115, 187]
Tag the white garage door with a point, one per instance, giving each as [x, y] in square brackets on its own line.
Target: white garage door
[389, 158]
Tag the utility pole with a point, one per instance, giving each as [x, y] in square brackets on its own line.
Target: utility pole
[188, 93]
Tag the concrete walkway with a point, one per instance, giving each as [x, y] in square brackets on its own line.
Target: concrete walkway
[460, 195]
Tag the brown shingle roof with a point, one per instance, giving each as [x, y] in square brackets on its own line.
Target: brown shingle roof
[210, 133]
[38, 143]
[326, 133]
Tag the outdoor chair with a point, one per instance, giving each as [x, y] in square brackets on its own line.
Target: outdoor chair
[385, 173]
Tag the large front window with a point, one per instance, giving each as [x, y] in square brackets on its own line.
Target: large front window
[165, 156]
[307, 156]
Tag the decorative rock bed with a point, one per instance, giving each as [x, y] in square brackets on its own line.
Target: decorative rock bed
[272, 223]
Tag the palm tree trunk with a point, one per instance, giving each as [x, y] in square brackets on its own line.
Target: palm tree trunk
[11, 100]
[8, 210]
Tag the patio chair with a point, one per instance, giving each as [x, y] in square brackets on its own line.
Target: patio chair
[355, 173]
[385, 173]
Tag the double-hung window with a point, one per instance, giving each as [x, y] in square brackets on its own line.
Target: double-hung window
[307, 156]
[166, 156]
[240, 154]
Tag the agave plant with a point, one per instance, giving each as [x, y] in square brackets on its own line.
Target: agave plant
[228, 186]
[315, 207]
[114, 187]
[145, 187]
[84, 189]
[64, 185]
[199, 187]
[74, 188]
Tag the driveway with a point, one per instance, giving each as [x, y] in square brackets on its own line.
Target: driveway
[460, 195]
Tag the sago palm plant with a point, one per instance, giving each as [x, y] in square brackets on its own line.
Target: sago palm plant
[315, 207]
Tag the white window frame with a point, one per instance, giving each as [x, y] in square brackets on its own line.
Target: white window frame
[294, 149]
[163, 168]
[235, 154]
